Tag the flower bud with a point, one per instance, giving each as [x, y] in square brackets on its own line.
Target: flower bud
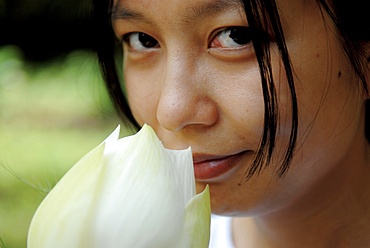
[129, 192]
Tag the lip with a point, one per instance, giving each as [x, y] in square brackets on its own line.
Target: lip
[208, 167]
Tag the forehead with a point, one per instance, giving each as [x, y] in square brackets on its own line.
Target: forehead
[187, 11]
[177, 3]
[137, 9]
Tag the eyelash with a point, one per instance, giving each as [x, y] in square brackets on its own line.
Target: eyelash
[239, 35]
[140, 35]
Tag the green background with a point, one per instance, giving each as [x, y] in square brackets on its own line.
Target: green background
[51, 114]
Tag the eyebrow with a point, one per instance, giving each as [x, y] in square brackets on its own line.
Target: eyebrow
[195, 12]
[213, 8]
[121, 12]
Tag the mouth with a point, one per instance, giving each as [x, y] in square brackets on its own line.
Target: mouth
[208, 167]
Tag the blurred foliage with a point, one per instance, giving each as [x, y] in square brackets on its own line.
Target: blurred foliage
[65, 10]
[51, 114]
[45, 29]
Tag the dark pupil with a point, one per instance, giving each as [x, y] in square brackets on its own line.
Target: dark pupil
[240, 35]
[147, 40]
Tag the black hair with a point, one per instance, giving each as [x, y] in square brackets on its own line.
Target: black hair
[349, 17]
[105, 44]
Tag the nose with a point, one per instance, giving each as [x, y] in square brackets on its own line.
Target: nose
[186, 99]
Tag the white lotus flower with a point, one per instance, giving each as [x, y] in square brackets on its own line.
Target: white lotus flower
[129, 192]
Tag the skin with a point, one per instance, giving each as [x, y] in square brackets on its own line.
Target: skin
[196, 92]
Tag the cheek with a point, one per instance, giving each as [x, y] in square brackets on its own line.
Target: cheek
[329, 104]
[239, 94]
[328, 99]
[143, 92]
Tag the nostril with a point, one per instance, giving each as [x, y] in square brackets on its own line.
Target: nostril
[185, 98]
[176, 113]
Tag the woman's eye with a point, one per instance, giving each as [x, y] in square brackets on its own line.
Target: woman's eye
[233, 37]
[140, 41]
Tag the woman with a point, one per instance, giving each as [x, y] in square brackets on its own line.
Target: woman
[270, 95]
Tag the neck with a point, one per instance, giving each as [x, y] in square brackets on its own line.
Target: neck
[334, 214]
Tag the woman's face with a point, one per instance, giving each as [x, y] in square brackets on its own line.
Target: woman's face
[191, 73]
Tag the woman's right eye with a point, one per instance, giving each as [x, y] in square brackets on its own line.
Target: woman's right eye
[139, 41]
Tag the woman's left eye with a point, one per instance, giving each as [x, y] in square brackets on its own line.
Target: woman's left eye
[232, 37]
